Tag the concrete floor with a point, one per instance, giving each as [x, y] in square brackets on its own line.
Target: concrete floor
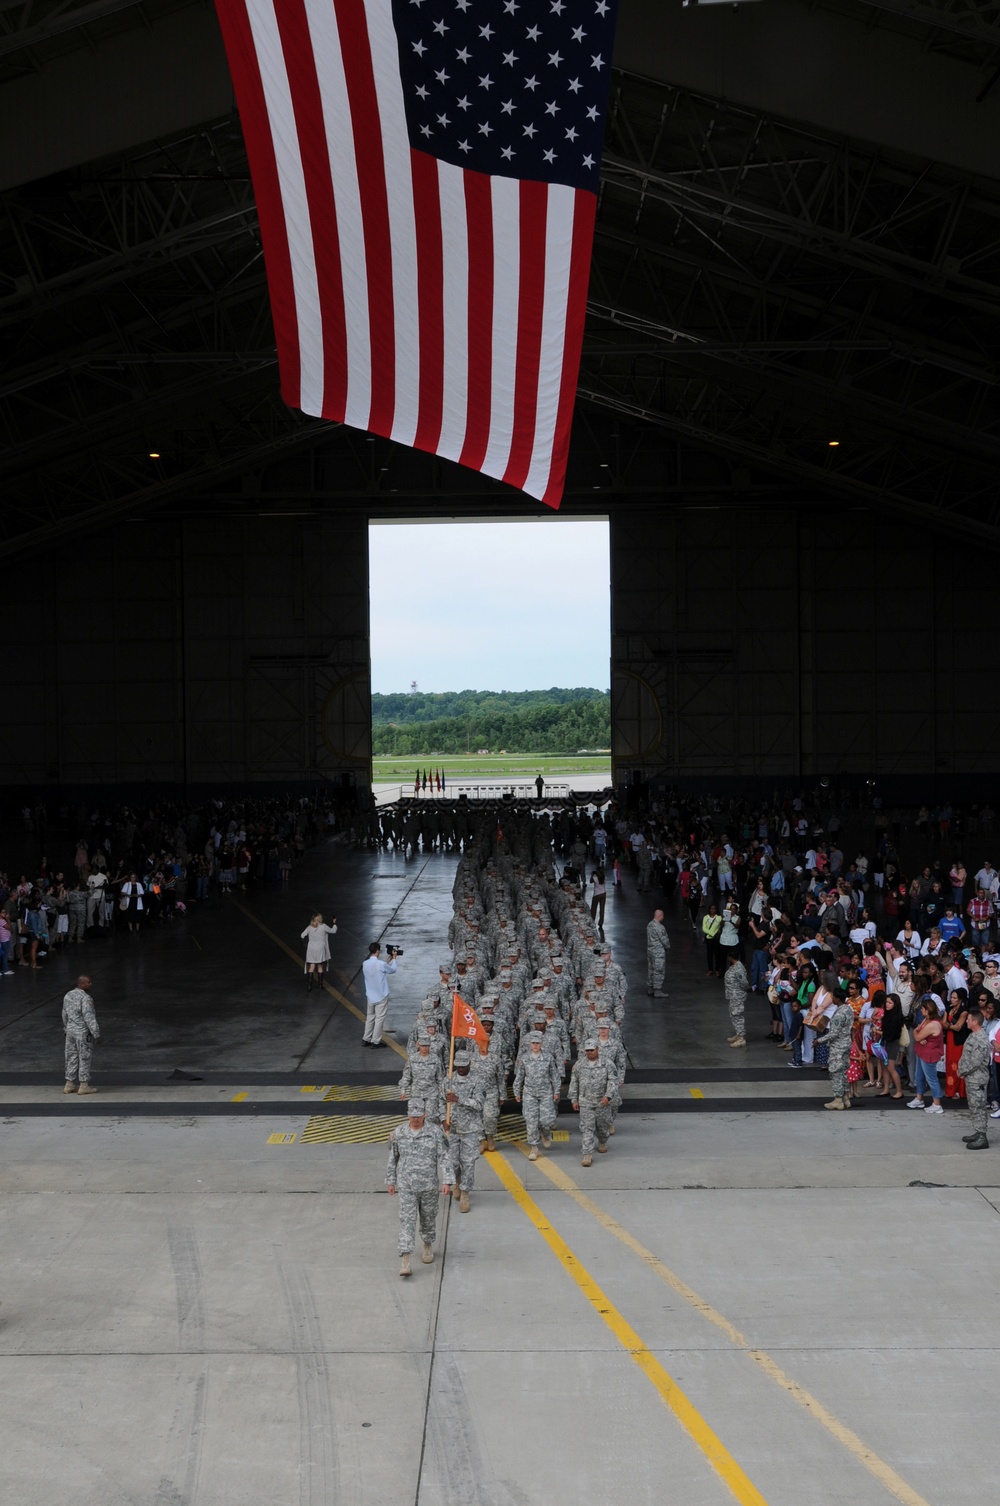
[201, 1307]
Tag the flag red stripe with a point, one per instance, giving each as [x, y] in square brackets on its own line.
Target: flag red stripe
[585, 212]
[430, 299]
[531, 299]
[479, 217]
[353, 25]
[238, 37]
[300, 64]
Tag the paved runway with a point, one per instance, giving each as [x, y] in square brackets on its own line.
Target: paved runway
[198, 1271]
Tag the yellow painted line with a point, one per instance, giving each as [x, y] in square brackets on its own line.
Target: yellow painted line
[690, 1419]
[281, 1139]
[309, 1090]
[296, 958]
[696, 1093]
[883, 1472]
[238, 1097]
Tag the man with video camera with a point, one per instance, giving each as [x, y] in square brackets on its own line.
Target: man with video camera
[376, 974]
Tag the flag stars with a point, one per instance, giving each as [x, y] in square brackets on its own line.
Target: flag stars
[571, 133]
[462, 5]
[532, 33]
[508, 152]
[549, 156]
[440, 28]
[421, 92]
[531, 83]
[508, 107]
[463, 103]
[486, 82]
[464, 146]
[486, 129]
[425, 130]
[592, 113]
[555, 58]
[441, 76]
[463, 55]
[552, 108]
[443, 121]
[530, 131]
[557, 7]
[574, 86]
[597, 62]
[419, 49]
[510, 6]
[588, 161]
[601, 7]
[486, 31]
[578, 33]
[510, 58]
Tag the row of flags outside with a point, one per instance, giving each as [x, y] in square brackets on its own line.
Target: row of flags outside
[424, 781]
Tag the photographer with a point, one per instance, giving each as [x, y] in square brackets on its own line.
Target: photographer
[376, 974]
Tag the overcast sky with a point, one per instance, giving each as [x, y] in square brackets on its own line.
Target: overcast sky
[490, 606]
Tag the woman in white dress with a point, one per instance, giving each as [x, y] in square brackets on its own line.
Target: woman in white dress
[317, 947]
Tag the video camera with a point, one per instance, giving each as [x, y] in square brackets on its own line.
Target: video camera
[394, 951]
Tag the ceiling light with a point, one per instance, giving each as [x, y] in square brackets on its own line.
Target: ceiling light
[154, 454]
[833, 443]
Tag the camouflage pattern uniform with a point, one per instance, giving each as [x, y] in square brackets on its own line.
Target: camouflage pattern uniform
[493, 1077]
[419, 1165]
[80, 1025]
[839, 1038]
[657, 947]
[974, 1066]
[737, 986]
[535, 1083]
[423, 1078]
[77, 914]
[466, 1132]
[592, 1081]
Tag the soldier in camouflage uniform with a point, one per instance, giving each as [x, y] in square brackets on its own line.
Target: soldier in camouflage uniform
[423, 1077]
[612, 1050]
[974, 1066]
[464, 1097]
[419, 1164]
[493, 1076]
[657, 947]
[536, 1088]
[592, 1089]
[737, 986]
[77, 905]
[839, 1037]
[80, 1025]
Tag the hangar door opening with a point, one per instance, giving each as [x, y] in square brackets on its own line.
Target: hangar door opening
[490, 655]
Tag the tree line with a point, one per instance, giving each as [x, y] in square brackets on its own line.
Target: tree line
[527, 721]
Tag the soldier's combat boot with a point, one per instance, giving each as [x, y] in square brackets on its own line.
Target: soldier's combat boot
[490, 1143]
[969, 1138]
[740, 1040]
[456, 1192]
[979, 1143]
[404, 1265]
[835, 1103]
[463, 1204]
[587, 1161]
[546, 1140]
[85, 1088]
[71, 1088]
[533, 1153]
[602, 1150]
[482, 1146]
[427, 1253]
[611, 1129]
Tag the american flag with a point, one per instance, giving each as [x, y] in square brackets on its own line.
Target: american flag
[426, 173]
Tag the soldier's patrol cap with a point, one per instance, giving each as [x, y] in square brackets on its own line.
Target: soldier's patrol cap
[423, 1039]
[462, 1059]
[446, 966]
[590, 1045]
[415, 1107]
[604, 1024]
[535, 1035]
[557, 959]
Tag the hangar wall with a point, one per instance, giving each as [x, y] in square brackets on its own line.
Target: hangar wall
[175, 651]
[749, 643]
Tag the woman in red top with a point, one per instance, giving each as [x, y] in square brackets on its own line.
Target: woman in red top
[928, 1043]
[956, 1034]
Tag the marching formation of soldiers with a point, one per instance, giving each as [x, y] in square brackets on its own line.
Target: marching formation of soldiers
[527, 957]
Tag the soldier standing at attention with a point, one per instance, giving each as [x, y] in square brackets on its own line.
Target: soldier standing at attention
[419, 1164]
[657, 947]
[466, 1134]
[974, 1066]
[591, 1090]
[839, 1037]
[80, 1025]
[536, 1081]
[737, 986]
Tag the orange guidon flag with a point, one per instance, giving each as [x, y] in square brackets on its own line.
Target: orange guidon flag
[465, 1022]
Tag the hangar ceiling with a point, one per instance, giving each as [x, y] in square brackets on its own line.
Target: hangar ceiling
[763, 283]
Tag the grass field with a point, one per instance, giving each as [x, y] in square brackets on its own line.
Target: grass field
[491, 766]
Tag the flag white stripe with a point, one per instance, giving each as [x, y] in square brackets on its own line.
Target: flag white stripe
[558, 258]
[402, 226]
[506, 200]
[294, 200]
[455, 276]
[325, 35]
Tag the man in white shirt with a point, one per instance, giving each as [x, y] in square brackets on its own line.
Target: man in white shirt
[96, 884]
[987, 878]
[376, 976]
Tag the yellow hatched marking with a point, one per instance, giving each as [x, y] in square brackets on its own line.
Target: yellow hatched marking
[281, 1139]
[312, 1090]
[883, 1472]
[696, 1093]
[690, 1419]
[348, 1129]
[238, 1097]
[343, 1093]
